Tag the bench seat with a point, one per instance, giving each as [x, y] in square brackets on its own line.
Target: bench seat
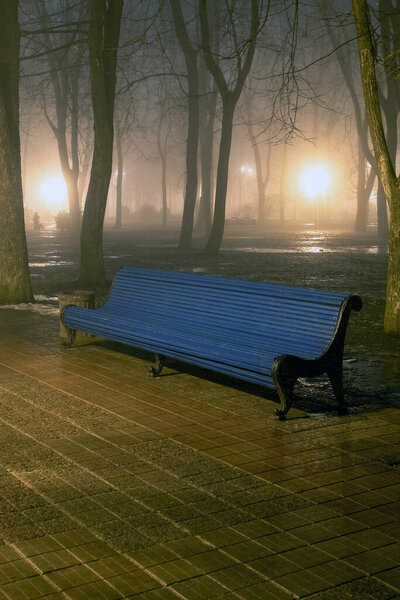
[263, 333]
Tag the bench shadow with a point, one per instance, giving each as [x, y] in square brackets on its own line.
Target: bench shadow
[313, 396]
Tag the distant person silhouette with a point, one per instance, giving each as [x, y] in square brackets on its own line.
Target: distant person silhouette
[37, 226]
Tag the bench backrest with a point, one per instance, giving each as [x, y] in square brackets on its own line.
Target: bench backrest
[285, 318]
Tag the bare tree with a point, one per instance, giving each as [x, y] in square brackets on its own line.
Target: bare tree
[104, 30]
[163, 134]
[262, 160]
[15, 283]
[208, 110]
[64, 60]
[386, 168]
[230, 94]
[190, 53]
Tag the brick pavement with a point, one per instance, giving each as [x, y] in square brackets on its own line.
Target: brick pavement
[115, 485]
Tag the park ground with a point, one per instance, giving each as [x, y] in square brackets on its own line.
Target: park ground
[116, 485]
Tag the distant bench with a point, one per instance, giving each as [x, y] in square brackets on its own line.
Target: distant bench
[265, 333]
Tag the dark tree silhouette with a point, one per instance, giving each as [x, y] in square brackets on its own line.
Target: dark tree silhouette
[386, 169]
[190, 54]
[104, 30]
[15, 284]
[230, 95]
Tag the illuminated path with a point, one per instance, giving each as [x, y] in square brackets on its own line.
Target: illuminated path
[115, 485]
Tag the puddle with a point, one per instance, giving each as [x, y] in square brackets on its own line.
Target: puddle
[281, 250]
[199, 270]
[312, 249]
[52, 263]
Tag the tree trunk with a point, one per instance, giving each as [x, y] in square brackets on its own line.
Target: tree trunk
[162, 145]
[190, 55]
[229, 96]
[385, 166]
[120, 176]
[185, 238]
[392, 311]
[217, 231]
[282, 188]
[104, 27]
[364, 189]
[206, 161]
[382, 214]
[15, 283]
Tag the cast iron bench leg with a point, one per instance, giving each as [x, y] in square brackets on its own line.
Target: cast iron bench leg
[336, 378]
[71, 336]
[156, 370]
[285, 375]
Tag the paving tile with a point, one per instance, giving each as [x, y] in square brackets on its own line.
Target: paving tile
[16, 570]
[248, 550]
[112, 565]
[156, 594]
[92, 551]
[281, 541]
[274, 566]
[254, 529]
[155, 555]
[340, 547]
[135, 582]
[313, 533]
[100, 590]
[391, 577]
[224, 536]
[370, 538]
[213, 560]
[372, 517]
[307, 556]
[71, 577]
[263, 591]
[336, 572]
[28, 589]
[342, 525]
[199, 588]
[77, 537]
[186, 547]
[176, 570]
[302, 583]
[8, 554]
[371, 561]
[51, 561]
[236, 577]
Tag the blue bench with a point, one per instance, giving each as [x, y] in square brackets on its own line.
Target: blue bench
[264, 333]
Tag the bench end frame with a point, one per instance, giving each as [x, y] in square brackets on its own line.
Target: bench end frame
[288, 368]
[71, 333]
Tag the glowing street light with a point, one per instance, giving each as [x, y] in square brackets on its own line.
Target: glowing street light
[54, 192]
[315, 181]
[247, 170]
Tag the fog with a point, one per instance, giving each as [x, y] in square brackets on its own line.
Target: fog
[295, 130]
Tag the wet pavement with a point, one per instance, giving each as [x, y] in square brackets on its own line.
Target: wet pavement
[116, 485]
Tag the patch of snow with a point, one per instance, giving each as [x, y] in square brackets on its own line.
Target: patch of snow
[43, 298]
[36, 307]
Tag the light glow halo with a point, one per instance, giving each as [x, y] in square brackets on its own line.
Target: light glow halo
[315, 180]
